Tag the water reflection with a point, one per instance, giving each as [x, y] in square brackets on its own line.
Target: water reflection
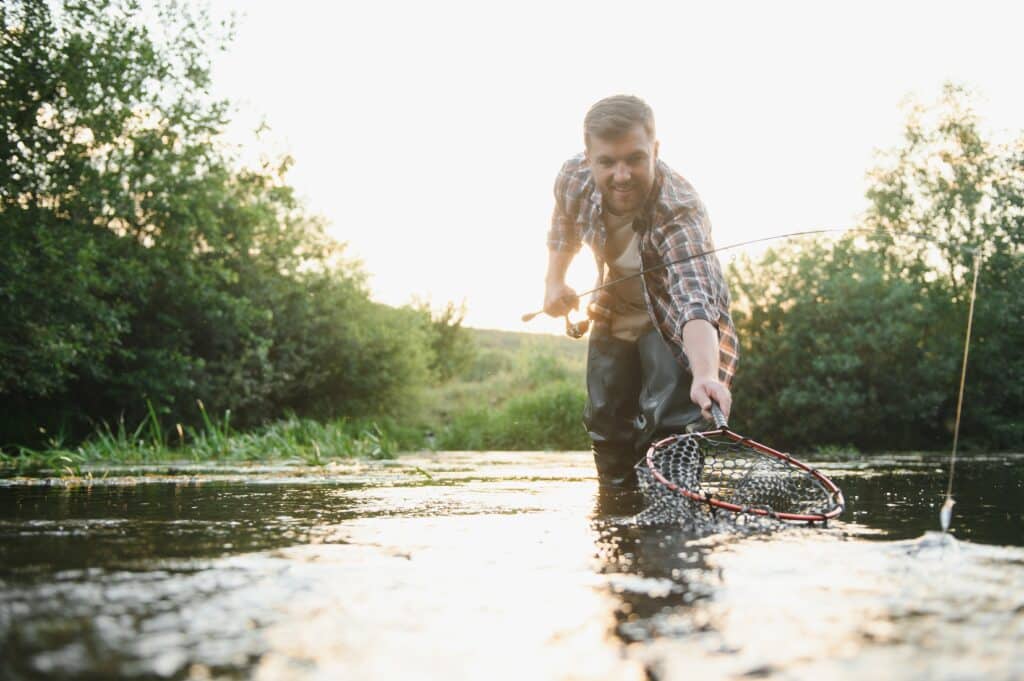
[813, 603]
[651, 570]
[46, 528]
[502, 566]
[902, 497]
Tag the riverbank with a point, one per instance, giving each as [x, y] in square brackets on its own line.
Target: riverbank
[292, 439]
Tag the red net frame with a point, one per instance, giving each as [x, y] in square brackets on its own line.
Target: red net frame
[831, 497]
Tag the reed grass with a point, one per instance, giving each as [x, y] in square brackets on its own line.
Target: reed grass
[289, 439]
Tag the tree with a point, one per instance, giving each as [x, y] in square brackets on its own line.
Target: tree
[451, 347]
[962, 193]
[141, 263]
[831, 339]
[859, 341]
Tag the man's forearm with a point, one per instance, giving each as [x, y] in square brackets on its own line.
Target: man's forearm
[559, 298]
[700, 341]
[558, 265]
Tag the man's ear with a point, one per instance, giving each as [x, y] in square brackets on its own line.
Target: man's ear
[656, 145]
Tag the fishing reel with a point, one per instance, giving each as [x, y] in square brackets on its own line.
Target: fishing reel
[578, 329]
[573, 329]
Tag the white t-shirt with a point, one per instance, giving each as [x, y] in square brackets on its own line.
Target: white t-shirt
[630, 318]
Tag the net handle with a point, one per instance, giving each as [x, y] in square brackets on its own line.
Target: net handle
[716, 413]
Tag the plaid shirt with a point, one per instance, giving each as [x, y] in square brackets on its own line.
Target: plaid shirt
[672, 224]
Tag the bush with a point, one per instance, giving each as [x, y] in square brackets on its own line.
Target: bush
[549, 418]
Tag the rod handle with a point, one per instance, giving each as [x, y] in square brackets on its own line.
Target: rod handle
[530, 315]
[570, 299]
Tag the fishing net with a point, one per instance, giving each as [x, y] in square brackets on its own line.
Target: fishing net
[718, 477]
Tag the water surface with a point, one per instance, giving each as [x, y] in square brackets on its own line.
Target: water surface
[501, 565]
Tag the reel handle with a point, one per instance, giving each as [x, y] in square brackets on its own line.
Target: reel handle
[719, 417]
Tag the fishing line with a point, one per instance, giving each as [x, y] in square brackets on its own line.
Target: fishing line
[578, 329]
[946, 514]
[530, 315]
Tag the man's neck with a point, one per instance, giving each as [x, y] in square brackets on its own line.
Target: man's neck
[614, 221]
[616, 214]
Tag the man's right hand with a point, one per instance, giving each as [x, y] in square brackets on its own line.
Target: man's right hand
[559, 298]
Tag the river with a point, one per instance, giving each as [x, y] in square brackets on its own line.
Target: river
[501, 566]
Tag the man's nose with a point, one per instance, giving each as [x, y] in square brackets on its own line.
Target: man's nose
[621, 172]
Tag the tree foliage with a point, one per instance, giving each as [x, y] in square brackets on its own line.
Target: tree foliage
[142, 263]
[451, 347]
[859, 341]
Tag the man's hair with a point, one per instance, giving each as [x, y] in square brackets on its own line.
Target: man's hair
[614, 116]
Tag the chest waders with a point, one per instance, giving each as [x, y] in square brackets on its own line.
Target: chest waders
[637, 392]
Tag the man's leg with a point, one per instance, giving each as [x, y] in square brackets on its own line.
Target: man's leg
[613, 384]
[665, 406]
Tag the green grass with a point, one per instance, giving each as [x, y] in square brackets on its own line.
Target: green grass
[507, 365]
[548, 419]
[522, 392]
[290, 439]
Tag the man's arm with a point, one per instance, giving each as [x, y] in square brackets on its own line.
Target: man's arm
[700, 342]
[559, 297]
[697, 289]
[563, 244]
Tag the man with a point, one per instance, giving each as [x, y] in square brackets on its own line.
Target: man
[663, 345]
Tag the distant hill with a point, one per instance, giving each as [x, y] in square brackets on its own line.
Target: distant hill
[513, 342]
[506, 365]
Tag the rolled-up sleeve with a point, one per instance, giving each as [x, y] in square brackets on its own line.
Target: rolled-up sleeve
[691, 284]
[695, 285]
[565, 233]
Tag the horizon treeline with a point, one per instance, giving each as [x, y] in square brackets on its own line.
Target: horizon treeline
[144, 269]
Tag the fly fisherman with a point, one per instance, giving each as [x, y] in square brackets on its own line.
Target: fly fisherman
[663, 344]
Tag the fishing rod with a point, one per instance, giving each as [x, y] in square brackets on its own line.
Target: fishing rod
[531, 315]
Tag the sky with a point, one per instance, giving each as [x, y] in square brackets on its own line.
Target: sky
[429, 134]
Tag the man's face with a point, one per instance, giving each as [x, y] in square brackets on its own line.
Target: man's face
[623, 169]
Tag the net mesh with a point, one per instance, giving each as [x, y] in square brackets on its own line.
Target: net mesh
[715, 467]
